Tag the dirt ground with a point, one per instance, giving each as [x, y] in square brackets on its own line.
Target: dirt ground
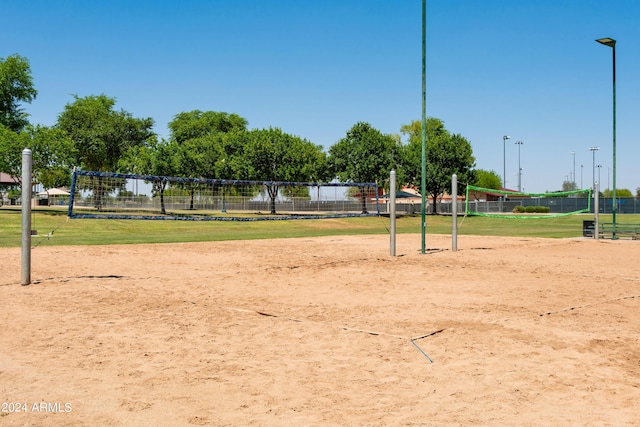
[326, 331]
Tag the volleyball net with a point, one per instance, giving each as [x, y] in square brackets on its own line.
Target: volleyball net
[515, 204]
[112, 195]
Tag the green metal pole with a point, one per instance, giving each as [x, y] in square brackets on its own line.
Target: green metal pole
[615, 202]
[608, 41]
[423, 224]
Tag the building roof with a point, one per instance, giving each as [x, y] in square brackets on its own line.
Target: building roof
[403, 195]
[6, 179]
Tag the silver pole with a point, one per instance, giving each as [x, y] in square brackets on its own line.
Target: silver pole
[26, 217]
[392, 212]
[519, 143]
[593, 172]
[573, 153]
[454, 212]
[504, 161]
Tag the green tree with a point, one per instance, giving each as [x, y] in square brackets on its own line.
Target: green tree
[364, 155]
[200, 152]
[274, 156]
[16, 87]
[569, 186]
[620, 192]
[11, 146]
[197, 124]
[201, 157]
[200, 136]
[487, 179]
[52, 153]
[157, 158]
[102, 136]
[447, 154]
[412, 152]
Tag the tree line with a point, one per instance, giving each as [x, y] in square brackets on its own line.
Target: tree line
[92, 134]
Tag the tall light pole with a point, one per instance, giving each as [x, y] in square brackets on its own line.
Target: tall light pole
[581, 170]
[573, 153]
[423, 184]
[608, 41]
[519, 144]
[593, 172]
[599, 182]
[504, 161]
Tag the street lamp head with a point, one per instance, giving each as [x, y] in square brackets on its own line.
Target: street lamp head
[506, 137]
[607, 41]
[594, 148]
[519, 142]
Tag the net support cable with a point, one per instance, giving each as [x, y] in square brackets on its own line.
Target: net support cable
[520, 194]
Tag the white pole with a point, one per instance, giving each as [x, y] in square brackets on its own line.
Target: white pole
[392, 213]
[454, 212]
[26, 217]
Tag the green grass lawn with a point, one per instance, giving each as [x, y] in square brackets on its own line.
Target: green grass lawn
[109, 231]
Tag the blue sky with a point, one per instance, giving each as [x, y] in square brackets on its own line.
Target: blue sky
[527, 69]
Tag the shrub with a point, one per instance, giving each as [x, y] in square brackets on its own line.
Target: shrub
[531, 209]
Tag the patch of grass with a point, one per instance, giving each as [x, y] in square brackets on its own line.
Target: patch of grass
[110, 231]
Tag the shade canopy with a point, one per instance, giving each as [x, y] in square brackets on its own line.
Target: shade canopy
[54, 192]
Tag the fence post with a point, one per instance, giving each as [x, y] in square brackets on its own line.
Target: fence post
[392, 212]
[454, 212]
[26, 217]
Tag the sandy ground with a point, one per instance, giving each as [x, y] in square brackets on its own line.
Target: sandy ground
[318, 332]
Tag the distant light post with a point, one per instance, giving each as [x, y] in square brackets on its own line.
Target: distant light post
[581, 170]
[519, 144]
[573, 153]
[599, 182]
[608, 41]
[504, 161]
[593, 172]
